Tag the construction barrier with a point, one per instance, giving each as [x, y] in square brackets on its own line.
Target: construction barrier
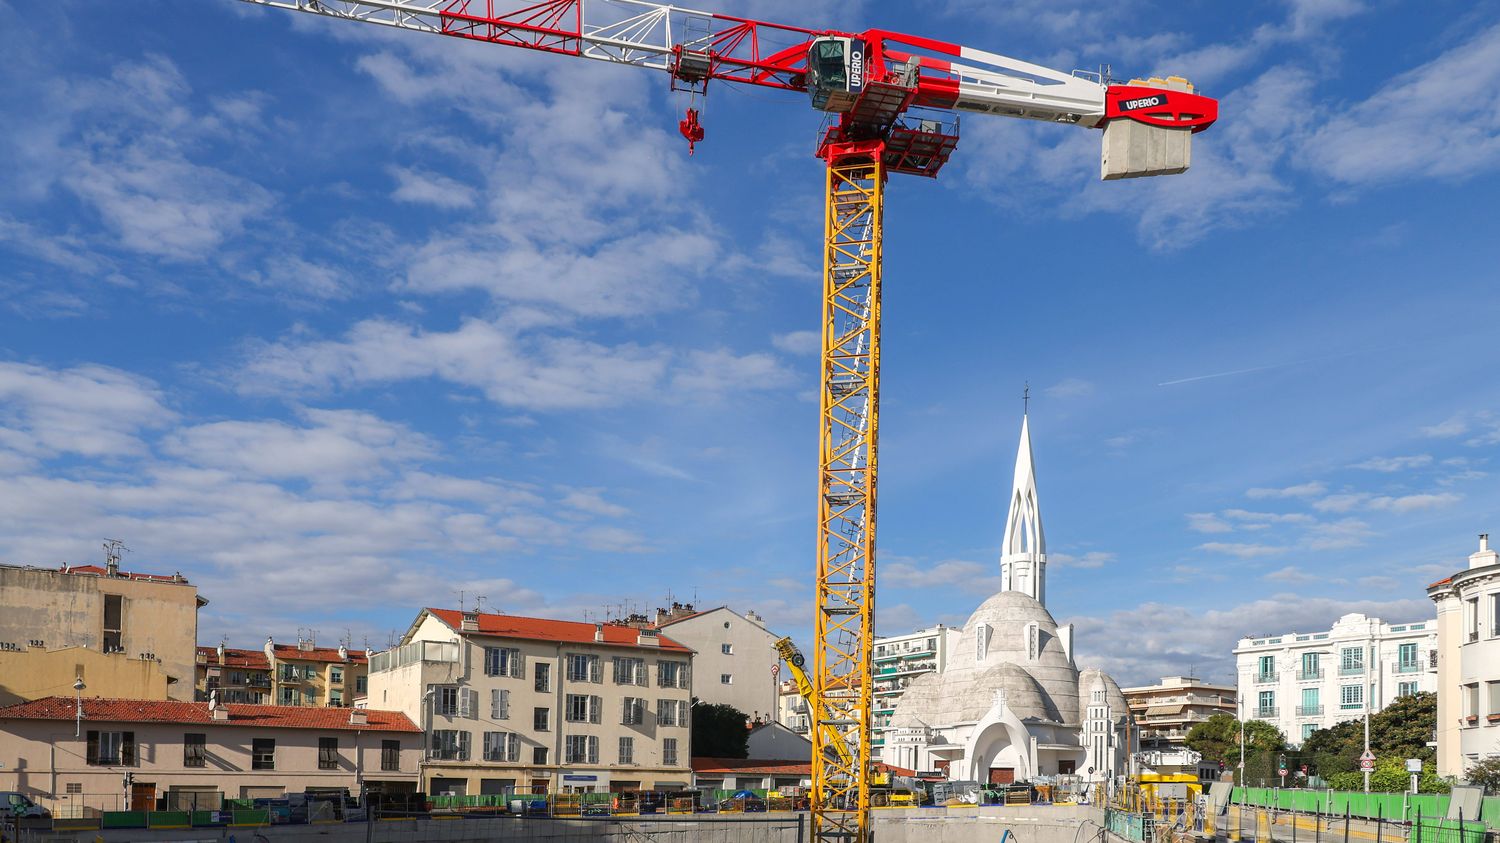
[1402, 807]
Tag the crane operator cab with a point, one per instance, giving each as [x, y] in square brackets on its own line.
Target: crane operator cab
[836, 70]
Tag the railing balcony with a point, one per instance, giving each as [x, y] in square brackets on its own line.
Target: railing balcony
[1355, 670]
[1309, 675]
[1411, 667]
[1265, 711]
[1265, 678]
[1309, 710]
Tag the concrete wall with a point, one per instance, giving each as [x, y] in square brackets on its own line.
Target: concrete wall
[751, 688]
[1029, 825]
[67, 610]
[42, 757]
[32, 674]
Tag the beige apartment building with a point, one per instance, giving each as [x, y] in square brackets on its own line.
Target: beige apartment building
[1467, 662]
[283, 674]
[1165, 712]
[512, 704]
[51, 614]
[138, 754]
[734, 656]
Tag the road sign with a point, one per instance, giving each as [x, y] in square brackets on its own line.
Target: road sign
[1413, 765]
[1367, 756]
[1366, 764]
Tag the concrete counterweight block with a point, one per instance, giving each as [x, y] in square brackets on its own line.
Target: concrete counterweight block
[1133, 150]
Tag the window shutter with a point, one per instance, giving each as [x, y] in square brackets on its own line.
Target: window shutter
[92, 753]
[463, 746]
[505, 705]
[517, 665]
[596, 671]
[467, 702]
[127, 749]
[625, 716]
[513, 751]
[595, 704]
[684, 678]
[494, 703]
[593, 749]
[661, 674]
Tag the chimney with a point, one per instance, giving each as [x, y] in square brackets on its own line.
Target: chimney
[755, 618]
[648, 638]
[343, 653]
[358, 717]
[470, 622]
[221, 652]
[217, 710]
[661, 616]
[598, 632]
[270, 652]
[1485, 556]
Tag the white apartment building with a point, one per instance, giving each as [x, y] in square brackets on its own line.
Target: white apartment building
[734, 656]
[512, 704]
[1302, 682]
[1468, 662]
[1165, 712]
[899, 659]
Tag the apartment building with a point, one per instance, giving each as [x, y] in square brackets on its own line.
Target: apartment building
[1166, 711]
[899, 659]
[121, 633]
[283, 674]
[1302, 682]
[1468, 662]
[734, 656]
[128, 754]
[240, 676]
[514, 704]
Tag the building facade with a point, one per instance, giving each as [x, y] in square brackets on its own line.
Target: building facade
[1302, 682]
[1166, 711]
[1468, 663]
[898, 660]
[138, 754]
[733, 656]
[240, 676]
[125, 616]
[1010, 704]
[283, 674]
[532, 705]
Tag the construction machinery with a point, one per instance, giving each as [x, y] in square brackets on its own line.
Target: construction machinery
[892, 103]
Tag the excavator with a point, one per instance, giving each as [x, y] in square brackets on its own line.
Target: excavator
[820, 716]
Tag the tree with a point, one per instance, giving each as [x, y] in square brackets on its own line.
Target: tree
[1486, 774]
[1390, 776]
[1218, 739]
[719, 731]
[1400, 731]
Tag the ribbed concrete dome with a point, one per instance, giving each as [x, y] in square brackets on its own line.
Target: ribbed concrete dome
[1093, 679]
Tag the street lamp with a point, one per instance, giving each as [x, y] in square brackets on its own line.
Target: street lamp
[78, 687]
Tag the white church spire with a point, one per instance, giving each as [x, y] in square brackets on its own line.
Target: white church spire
[1023, 556]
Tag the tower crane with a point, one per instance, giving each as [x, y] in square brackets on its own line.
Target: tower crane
[892, 103]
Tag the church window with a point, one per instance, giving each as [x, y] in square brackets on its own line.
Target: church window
[981, 641]
[1099, 696]
[1033, 641]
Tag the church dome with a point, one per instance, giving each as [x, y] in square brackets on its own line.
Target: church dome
[1006, 622]
[1093, 679]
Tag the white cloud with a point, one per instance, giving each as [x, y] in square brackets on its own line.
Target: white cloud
[1342, 503]
[971, 577]
[93, 411]
[592, 501]
[1400, 504]
[797, 342]
[1455, 426]
[1242, 550]
[1070, 388]
[1394, 464]
[334, 447]
[1336, 535]
[1091, 559]
[1268, 517]
[1302, 490]
[1291, 574]
[1207, 522]
[1372, 142]
[424, 188]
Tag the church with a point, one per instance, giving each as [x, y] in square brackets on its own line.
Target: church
[1011, 704]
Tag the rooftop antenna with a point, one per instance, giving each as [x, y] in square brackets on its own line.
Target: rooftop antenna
[460, 600]
[112, 551]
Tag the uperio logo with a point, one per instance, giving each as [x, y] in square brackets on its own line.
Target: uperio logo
[856, 68]
[1143, 102]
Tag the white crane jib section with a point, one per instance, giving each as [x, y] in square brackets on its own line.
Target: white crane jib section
[1023, 560]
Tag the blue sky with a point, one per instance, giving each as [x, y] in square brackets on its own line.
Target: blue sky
[339, 321]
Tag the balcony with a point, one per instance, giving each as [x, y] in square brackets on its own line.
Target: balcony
[1408, 667]
[1309, 710]
[1309, 675]
[1264, 711]
[1352, 670]
[1265, 678]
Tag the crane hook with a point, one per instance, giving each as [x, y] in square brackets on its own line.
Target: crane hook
[691, 129]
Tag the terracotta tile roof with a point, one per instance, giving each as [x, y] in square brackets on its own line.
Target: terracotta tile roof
[752, 766]
[546, 629]
[101, 709]
[247, 659]
[99, 571]
[293, 653]
[1443, 581]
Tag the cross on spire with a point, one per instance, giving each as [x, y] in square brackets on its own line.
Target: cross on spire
[1026, 399]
